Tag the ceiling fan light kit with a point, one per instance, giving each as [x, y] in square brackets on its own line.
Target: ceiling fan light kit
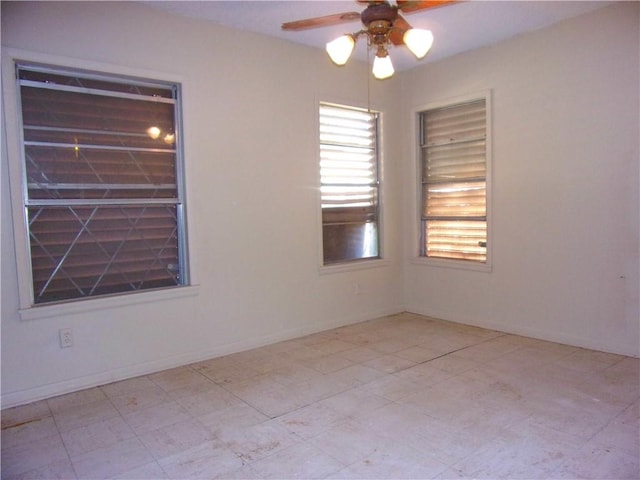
[382, 66]
[384, 26]
[341, 48]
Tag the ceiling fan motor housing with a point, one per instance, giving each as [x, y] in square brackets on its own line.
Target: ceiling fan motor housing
[382, 12]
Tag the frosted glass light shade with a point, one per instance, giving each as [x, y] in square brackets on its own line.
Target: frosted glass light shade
[340, 49]
[418, 41]
[382, 67]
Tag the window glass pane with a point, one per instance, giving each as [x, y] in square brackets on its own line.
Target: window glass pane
[348, 241]
[84, 251]
[456, 200]
[349, 183]
[463, 240]
[454, 189]
[103, 201]
[454, 161]
[73, 172]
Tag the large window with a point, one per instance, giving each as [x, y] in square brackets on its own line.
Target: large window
[103, 195]
[349, 183]
[453, 159]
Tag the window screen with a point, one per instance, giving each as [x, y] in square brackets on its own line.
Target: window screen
[102, 193]
[349, 183]
[454, 188]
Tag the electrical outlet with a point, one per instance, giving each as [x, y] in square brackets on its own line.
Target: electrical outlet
[66, 338]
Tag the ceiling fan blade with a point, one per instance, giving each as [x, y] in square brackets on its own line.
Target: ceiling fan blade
[409, 6]
[321, 21]
[400, 25]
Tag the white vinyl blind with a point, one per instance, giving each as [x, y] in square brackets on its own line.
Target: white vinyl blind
[454, 188]
[348, 183]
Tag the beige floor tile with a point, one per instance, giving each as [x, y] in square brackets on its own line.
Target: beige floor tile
[96, 435]
[350, 442]
[57, 470]
[85, 414]
[393, 388]
[300, 461]
[227, 374]
[329, 363]
[588, 360]
[397, 461]
[354, 403]
[419, 354]
[37, 455]
[234, 417]
[389, 364]
[28, 431]
[112, 461]
[311, 420]
[76, 399]
[206, 461]
[140, 399]
[127, 387]
[158, 416]
[622, 433]
[258, 441]
[487, 350]
[424, 374]
[333, 346]
[272, 401]
[323, 387]
[25, 413]
[595, 461]
[150, 471]
[392, 345]
[176, 438]
[515, 456]
[294, 374]
[356, 375]
[360, 354]
[178, 378]
[192, 390]
[207, 402]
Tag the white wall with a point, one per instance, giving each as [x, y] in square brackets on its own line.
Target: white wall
[565, 199]
[565, 184]
[250, 105]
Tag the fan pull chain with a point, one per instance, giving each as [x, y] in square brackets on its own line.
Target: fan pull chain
[368, 76]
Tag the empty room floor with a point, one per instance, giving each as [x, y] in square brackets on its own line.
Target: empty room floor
[402, 396]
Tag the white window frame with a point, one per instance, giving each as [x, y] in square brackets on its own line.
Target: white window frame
[365, 263]
[14, 157]
[417, 258]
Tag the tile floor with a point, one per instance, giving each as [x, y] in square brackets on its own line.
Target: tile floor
[403, 396]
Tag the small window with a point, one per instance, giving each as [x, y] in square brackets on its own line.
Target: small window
[453, 159]
[349, 183]
[102, 188]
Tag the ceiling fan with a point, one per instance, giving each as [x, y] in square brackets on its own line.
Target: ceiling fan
[383, 26]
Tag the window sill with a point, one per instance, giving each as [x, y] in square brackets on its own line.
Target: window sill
[455, 264]
[102, 303]
[352, 266]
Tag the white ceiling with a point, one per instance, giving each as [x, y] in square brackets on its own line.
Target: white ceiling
[457, 28]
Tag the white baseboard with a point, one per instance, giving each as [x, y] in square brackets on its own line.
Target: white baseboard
[565, 339]
[23, 397]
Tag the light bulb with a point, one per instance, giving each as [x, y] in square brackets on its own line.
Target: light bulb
[169, 138]
[153, 132]
[382, 66]
[418, 41]
[340, 49]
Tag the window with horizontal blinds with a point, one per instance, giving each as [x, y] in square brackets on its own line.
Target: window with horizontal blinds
[349, 183]
[102, 183]
[453, 145]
